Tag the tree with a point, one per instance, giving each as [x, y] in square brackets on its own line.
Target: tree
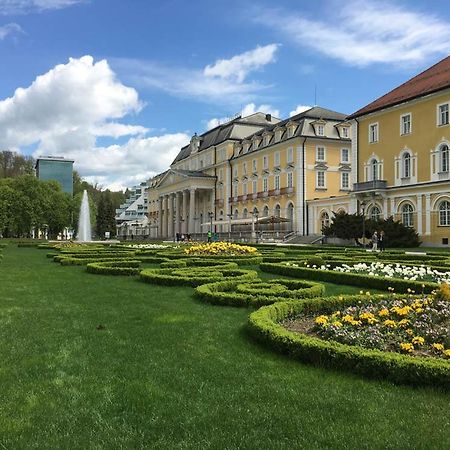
[13, 165]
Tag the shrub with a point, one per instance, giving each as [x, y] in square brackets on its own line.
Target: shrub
[264, 325]
[122, 267]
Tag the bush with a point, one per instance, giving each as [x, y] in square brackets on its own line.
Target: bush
[264, 325]
[121, 267]
[352, 279]
[256, 293]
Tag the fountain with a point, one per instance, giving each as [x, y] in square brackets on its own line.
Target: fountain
[84, 221]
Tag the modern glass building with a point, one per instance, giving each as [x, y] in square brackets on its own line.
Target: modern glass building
[58, 169]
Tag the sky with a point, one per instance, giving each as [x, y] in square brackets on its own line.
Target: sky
[121, 85]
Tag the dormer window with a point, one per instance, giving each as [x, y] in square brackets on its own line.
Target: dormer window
[278, 134]
[319, 127]
[345, 132]
[256, 141]
[245, 147]
[320, 130]
[266, 138]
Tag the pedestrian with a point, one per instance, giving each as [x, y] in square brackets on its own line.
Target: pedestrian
[375, 241]
[209, 236]
[381, 241]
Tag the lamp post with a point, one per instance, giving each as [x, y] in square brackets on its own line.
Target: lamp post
[210, 215]
[254, 214]
[363, 209]
[256, 218]
[229, 215]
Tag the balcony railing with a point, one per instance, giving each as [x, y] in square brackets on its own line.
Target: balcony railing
[370, 185]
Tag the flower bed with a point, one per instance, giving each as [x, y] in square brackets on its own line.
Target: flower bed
[220, 248]
[413, 273]
[266, 325]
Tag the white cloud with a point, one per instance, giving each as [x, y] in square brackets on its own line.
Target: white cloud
[299, 109]
[65, 110]
[239, 66]
[247, 110]
[10, 29]
[220, 83]
[10, 7]
[363, 33]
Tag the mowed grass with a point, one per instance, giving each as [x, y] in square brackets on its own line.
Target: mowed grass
[98, 362]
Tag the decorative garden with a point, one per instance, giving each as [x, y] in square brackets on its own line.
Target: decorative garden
[352, 315]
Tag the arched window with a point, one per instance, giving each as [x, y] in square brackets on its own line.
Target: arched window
[255, 211]
[324, 220]
[245, 213]
[407, 215]
[277, 211]
[406, 165]
[374, 169]
[221, 214]
[236, 214]
[375, 213]
[444, 157]
[266, 211]
[444, 213]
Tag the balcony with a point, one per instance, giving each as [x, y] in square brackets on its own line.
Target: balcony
[286, 190]
[367, 186]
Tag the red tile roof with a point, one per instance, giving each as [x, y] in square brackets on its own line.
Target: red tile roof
[434, 79]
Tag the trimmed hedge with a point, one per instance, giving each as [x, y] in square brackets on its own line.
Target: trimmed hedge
[191, 276]
[264, 325]
[352, 279]
[84, 261]
[125, 267]
[256, 293]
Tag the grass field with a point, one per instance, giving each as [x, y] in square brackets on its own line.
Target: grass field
[102, 362]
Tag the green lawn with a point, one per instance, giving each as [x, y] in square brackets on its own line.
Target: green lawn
[166, 371]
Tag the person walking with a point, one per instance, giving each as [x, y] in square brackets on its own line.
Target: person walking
[375, 241]
[209, 236]
[381, 241]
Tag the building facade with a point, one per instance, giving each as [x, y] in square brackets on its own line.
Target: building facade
[254, 174]
[57, 169]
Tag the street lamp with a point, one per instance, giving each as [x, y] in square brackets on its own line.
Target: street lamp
[363, 209]
[229, 215]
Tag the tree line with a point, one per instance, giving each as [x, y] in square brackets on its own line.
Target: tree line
[27, 203]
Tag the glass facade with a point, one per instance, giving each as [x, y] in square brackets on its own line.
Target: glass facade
[57, 169]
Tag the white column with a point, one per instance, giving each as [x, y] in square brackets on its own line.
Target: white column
[392, 206]
[178, 212]
[385, 208]
[160, 217]
[170, 216]
[427, 214]
[299, 197]
[166, 216]
[185, 213]
[419, 214]
[191, 228]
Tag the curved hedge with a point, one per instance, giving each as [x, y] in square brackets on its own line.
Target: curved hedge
[191, 276]
[256, 293]
[264, 325]
[124, 267]
[352, 279]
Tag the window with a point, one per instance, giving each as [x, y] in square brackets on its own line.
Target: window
[244, 168]
[375, 213]
[254, 166]
[265, 162]
[277, 159]
[374, 169]
[345, 183]
[255, 186]
[444, 213]
[407, 215]
[320, 154]
[235, 171]
[345, 155]
[236, 214]
[244, 188]
[324, 220]
[277, 182]
[235, 190]
[290, 155]
[320, 179]
[320, 130]
[290, 180]
[406, 165]
[345, 132]
[443, 114]
[373, 132]
[290, 132]
[266, 211]
[405, 124]
[277, 211]
[265, 185]
[444, 158]
[245, 213]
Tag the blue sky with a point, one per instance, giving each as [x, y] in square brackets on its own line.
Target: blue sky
[123, 84]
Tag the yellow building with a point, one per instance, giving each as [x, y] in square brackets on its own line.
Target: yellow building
[255, 174]
[401, 155]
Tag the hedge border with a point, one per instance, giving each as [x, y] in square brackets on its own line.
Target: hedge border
[121, 267]
[224, 293]
[264, 326]
[352, 279]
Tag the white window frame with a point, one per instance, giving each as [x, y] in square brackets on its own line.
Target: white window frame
[290, 179]
[408, 215]
[376, 138]
[244, 168]
[324, 153]
[347, 176]
[265, 162]
[402, 130]
[446, 215]
[277, 159]
[244, 188]
[345, 161]
[318, 185]
[345, 133]
[439, 115]
[255, 165]
[265, 184]
[320, 129]
[290, 155]
[255, 186]
[406, 170]
[235, 189]
[277, 182]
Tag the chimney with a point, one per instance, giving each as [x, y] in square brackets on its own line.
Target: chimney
[269, 117]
